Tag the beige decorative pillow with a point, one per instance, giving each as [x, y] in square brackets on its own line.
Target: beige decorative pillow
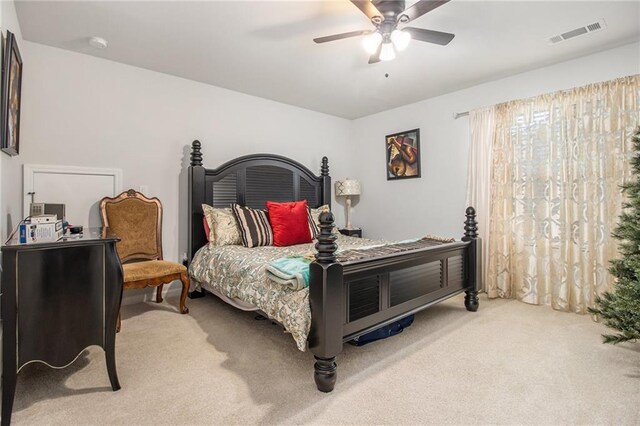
[223, 227]
[315, 215]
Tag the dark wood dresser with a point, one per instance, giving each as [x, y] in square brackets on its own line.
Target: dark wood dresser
[58, 299]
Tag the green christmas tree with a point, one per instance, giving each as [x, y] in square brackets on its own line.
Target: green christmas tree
[620, 309]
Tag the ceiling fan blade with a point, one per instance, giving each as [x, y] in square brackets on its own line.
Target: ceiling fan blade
[429, 36]
[422, 7]
[367, 7]
[375, 58]
[340, 36]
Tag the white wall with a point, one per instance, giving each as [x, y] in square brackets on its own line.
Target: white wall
[83, 111]
[10, 179]
[434, 204]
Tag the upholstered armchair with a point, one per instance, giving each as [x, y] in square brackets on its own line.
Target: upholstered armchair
[137, 221]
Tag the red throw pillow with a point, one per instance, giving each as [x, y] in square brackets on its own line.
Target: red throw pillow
[289, 222]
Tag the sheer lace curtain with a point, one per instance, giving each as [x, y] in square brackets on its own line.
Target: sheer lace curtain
[558, 161]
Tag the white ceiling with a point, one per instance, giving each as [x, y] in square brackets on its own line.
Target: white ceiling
[265, 48]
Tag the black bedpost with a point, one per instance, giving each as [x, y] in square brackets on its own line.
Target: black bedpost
[474, 269]
[325, 296]
[197, 237]
[326, 182]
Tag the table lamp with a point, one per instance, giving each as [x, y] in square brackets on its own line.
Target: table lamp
[348, 188]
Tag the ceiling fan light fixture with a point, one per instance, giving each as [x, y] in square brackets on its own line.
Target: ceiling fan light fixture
[390, 35]
[387, 53]
[400, 39]
[371, 42]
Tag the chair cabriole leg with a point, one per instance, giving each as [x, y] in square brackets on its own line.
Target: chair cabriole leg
[185, 290]
[159, 298]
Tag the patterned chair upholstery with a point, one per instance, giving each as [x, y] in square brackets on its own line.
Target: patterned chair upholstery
[137, 221]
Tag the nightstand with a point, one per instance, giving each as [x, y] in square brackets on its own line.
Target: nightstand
[357, 232]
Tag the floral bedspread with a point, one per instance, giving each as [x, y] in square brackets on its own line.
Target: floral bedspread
[239, 272]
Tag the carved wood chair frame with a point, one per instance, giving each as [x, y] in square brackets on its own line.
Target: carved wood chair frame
[159, 281]
[127, 195]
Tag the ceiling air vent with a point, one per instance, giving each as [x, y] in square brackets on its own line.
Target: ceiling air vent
[596, 26]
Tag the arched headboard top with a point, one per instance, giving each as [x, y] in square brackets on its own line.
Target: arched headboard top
[264, 159]
[250, 180]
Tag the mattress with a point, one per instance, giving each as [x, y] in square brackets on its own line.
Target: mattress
[239, 273]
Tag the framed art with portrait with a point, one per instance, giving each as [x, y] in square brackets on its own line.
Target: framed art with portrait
[403, 155]
[11, 96]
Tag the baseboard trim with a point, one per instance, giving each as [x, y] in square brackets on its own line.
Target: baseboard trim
[148, 294]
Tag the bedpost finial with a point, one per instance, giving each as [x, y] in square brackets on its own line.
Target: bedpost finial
[326, 245]
[470, 225]
[196, 155]
[324, 169]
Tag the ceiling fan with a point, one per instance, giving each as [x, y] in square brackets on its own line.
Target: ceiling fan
[383, 41]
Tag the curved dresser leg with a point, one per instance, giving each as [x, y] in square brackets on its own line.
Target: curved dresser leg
[325, 373]
[471, 301]
[9, 379]
[110, 356]
[184, 278]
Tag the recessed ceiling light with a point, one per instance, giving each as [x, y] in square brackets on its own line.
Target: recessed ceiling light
[98, 42]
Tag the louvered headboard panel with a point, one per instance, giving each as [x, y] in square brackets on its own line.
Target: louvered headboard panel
[224, 190]
[250, 180]
[268, 183]
[310, 192]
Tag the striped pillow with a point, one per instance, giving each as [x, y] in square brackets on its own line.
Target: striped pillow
[314, 220]
[314, 229]
[254, 226]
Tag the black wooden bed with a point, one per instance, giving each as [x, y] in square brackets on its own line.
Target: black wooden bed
[346, 300]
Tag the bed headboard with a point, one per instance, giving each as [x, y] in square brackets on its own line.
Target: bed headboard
[250, 180]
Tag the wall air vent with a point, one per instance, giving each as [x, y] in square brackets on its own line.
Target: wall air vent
[596, 26]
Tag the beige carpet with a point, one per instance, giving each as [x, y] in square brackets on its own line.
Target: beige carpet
[508, 363]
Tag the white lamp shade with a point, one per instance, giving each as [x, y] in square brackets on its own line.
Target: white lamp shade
[347, 187]
[371, 42]
[387, 53]
[400, 39]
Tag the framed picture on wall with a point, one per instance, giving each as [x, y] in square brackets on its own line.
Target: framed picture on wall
[11, 90]
[403, 155]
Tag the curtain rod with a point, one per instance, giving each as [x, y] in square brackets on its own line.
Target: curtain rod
[457, 115]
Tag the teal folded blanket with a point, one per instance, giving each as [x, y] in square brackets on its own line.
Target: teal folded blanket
[290, 271]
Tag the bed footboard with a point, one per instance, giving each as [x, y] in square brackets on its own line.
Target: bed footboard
[325, 296]
[352, 299]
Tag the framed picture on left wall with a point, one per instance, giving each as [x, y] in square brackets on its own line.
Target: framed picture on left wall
[11, 96]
